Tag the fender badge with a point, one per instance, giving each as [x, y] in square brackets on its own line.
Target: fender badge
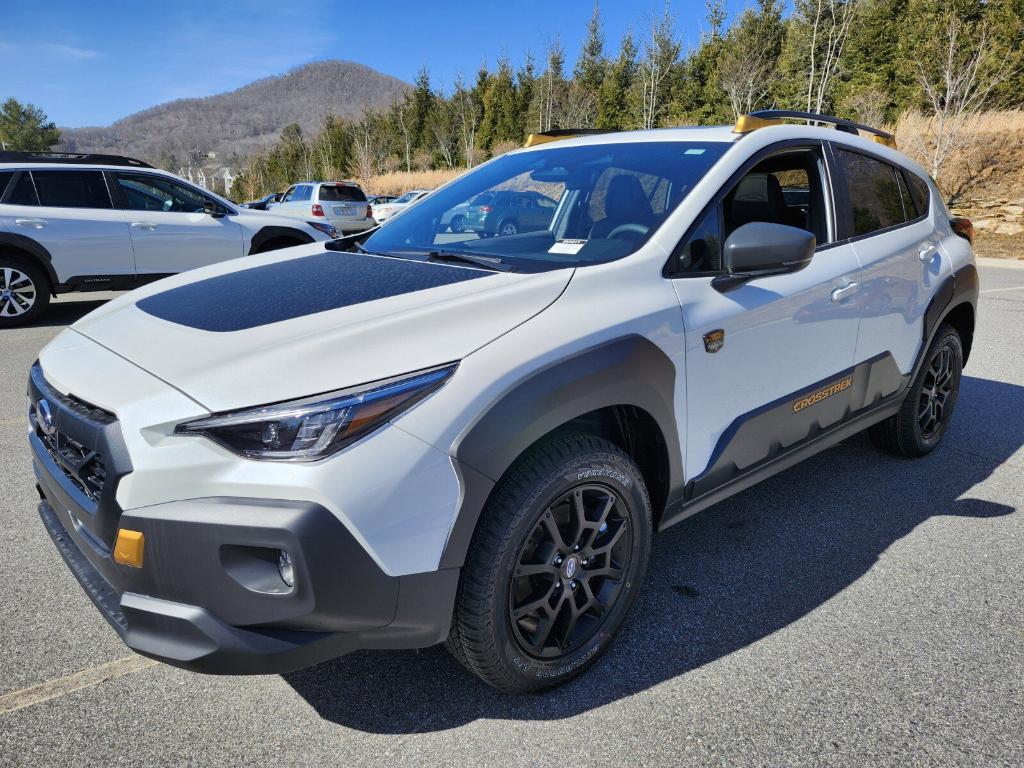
[713, 340]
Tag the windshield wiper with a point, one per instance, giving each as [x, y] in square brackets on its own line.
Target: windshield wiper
[488, 262]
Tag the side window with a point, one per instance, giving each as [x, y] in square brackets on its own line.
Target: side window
[72, 189]
[920, 192]
[303, 192]
[23, 192]
[149, 192]
[289, 195]
[5, 179]
[702, 251]
[874, 193]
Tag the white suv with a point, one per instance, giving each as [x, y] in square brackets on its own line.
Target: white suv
[264, 464]
[102, 222]
[343, 204]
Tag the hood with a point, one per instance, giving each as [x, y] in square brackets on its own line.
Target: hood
[307, 320]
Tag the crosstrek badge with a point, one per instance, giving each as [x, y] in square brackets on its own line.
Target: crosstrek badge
[821, 394]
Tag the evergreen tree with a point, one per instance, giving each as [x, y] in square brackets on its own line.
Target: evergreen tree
[500, 121]
[699, 97]
[422, 101]
[590, 67]
[526, 85]
[614, 108]
[24, 127]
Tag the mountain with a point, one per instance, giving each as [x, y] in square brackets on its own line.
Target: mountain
[241, 121]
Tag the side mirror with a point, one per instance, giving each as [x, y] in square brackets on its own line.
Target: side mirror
[212, 209]
[759, 249]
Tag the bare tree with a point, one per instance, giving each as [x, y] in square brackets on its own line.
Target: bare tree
[576, 107]
[958, 88]
[868, 106]
[747, 75]
[468, 116]
[660, 55]
[445, 132]
[829, 32]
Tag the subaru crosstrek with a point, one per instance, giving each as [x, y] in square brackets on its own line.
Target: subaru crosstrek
[426, 436]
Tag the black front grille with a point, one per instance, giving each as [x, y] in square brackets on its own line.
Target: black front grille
[80, 447]
[82, 466]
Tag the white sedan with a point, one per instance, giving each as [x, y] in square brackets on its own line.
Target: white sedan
[382, 213]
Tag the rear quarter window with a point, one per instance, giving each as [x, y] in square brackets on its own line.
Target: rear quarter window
[22, 191]
[920, 192]
[5, 179]
[874, 191]
[341, 192]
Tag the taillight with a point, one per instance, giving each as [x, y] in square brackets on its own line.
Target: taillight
[369, 211]
[485, 209]
[963, 227]
[318, 210]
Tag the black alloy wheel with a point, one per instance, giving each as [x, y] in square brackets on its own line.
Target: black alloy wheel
[570, 571]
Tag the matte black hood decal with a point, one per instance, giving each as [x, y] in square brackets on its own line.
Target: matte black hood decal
[295, 288]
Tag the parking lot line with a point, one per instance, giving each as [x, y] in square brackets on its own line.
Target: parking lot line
[62, 686]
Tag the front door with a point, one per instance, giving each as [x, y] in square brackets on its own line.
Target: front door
[768, 362]
[170, 230]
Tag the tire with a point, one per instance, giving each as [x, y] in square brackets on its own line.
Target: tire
[501, 630]
[506, 228]
[928, 408]
[457, 223]
[24, 291]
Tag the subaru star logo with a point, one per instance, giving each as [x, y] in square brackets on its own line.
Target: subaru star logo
[44, 417]
[571, 566]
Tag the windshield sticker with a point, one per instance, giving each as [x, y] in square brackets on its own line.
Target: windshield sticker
[567, 246]
[694, 151]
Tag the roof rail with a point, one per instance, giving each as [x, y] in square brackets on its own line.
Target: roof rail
[766, 117]
[557, 134]
[70, 158]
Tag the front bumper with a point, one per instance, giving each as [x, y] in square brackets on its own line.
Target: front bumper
[208, 597]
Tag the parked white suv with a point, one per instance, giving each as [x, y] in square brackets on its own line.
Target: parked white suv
[341, 203]
[264, 464]
[102, 222]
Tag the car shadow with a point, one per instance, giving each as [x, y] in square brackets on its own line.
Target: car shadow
[717, 582]
[66, 312]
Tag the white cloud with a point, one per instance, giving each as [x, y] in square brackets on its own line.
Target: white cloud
[70, 51]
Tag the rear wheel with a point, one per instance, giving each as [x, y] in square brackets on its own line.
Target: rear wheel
[24, 291]
[458, 223]
[554, 565]
[508, 227]
[925, 414]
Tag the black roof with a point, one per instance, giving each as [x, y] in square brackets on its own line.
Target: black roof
[841, 124]
[70, 158]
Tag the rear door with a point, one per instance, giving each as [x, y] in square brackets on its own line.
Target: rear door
[755, 352]
[170, 230]
[896, 241]
[70, 213]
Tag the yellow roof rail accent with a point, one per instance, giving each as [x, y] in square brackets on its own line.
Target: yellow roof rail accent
[748, 123]
[539, 138]
[557, 134]
[889, 141]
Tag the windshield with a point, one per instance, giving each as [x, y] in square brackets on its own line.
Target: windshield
[556, 207]
[407, 197]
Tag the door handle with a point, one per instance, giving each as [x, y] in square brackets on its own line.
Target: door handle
[926, 253]
[143, 225]
[841, 293]
[34, 223]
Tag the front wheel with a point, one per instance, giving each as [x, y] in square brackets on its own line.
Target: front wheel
[555, 564]
[926, 412]
[24, 291]
[458, 223]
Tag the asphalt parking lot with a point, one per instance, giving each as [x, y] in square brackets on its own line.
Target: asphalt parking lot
[855, 610]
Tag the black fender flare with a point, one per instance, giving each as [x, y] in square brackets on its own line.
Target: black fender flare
[628, 371]
[961, 287]
[36, 251]
[265, 234]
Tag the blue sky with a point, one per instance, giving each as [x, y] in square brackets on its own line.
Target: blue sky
[90, 62]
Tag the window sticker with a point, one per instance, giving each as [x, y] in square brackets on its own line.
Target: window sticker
[567, 246]
[694, 151]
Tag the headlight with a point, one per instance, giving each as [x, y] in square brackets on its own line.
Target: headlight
[315, 427]
[324, 227]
